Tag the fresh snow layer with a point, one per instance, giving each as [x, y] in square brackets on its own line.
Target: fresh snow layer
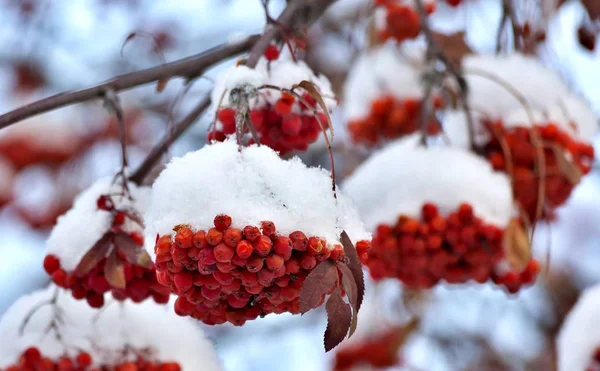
[378, 72]
[283, 73]
[519, 77]
[76, 231]
[579, 336]
[250, 186]
[404, 175]
[141, 326]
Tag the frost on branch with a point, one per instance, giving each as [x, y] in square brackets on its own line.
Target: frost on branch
[242, 233]
[383, 96]
[578, 343]
[439, 214]
[117, 336]
[97, 246]
[282, 120]
[528, 125]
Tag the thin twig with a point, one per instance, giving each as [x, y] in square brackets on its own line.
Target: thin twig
[188, 68]
[111, 102]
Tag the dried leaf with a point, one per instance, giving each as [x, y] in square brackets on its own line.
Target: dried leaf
[355, 267]
[94, 255]
[453, 46]
[516, 245]
[567, 168]
[161, 85]
[134, 215]
[134, 253]
[339, 317]
[373, 38]
[351, 291]
[311, 89]
[114, 272]
[317, 284]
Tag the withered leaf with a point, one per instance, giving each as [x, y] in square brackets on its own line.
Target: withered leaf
[516, 245]
[134, 253]
[351, 291]
[317, 284]
[161, 85]
[453, 45]
[338, 320]
[134, 215]
[311, 89]
[355, 267]
[567, 168]
[94, 255]
[114, 272]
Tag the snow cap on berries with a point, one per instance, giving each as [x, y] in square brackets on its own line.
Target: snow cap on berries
[283, 73]
[250, 186]
[580, 336]
[381, 71]
[104, 334]
[404, 175]
[547, 98]
[77, 230]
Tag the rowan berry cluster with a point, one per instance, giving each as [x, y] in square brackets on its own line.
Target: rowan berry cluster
[401, 20]
[558, 148]
[456, 249]
[595, 361]
[390, 118]
[376, 352]
[279, 126]
[140, 282]
[227, 274]
[32, 360]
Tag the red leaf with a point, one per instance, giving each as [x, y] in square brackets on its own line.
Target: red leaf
[317, 284]
[355, 267]
[94, 255]
[114, 271]
[351, 291]
[134, 253]
[339, 317]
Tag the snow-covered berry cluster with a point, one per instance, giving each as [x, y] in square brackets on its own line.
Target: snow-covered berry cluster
[228, 274]
[32, 360]
[565, 161]
[451, 226]
[456, 248]
[285, 117]
[265, 236]
[398, 19]
[107, 255]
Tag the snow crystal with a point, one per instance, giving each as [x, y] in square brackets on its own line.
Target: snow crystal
[403, 176]
[250, 186]
[383, 70]
[83, 225]
[283, 73]
[141, 326]
[579, 337]
[547, 98]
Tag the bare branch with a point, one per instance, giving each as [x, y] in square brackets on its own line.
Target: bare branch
[188, 68]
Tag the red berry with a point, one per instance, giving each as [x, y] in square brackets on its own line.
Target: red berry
[244, 249]
[216, 136]
[214, 236]
[268, 228]
[248, 278]
[232, 236]
[65, 364]
[227, 118]
[274, 262]
[105, 203]
[265, 277]
[283, 247]
[251, 233]
[119, 218]
[262, 245]
[32, 355]
[51, 264]
[316, 245]
[207, 256]
[95, 300]
[84, 359]
[60, 278]
[254, 264]
[183, 280]
[183, 307]
[271, 52]
[184, 238]
[291, 125]
[299, 241]
[337, 253]
[308, 262]
[292, 266]
[222, 222]
[223, 253]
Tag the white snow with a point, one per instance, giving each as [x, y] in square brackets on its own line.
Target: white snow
[579, 336]
[83, 225]
[250, 186]
[382, 71]
[141, 326]
[283, 73]
[547, 98]
[403, 176]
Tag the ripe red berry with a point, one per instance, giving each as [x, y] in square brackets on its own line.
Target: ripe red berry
[184, 238]
[207, 256]
[274, 262]
[262, 245]
[268, 228]
[232, 236]
[105, 203]
[199, 240]
[214, 236]
[183, 280]
[51, 264]
[251, 233]
[95, 300]
[119, 218]
[244, 249]
[32, 355]
[60, 278]
[248, 278]
[271, 52]
[84, 359]
[315, 246]
[227, 118]
[291, 125]
[223, 253]
[216, 136]
[337, 253]
[292, 266]
[299, 241]
[308, 262]
[183, 307]
[254, 264]
[222, 222]
[283, 246]
[265, 277]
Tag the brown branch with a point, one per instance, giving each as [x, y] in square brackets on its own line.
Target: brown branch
[188, 68]
[508, 15]
[290, 17]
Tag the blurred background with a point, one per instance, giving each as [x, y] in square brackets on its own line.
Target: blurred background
[49, 46]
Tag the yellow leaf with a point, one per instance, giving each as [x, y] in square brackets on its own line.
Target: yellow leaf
[568, 169]
[517, 248]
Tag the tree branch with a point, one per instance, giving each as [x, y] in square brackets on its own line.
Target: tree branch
[290, 17]
[189, 68]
